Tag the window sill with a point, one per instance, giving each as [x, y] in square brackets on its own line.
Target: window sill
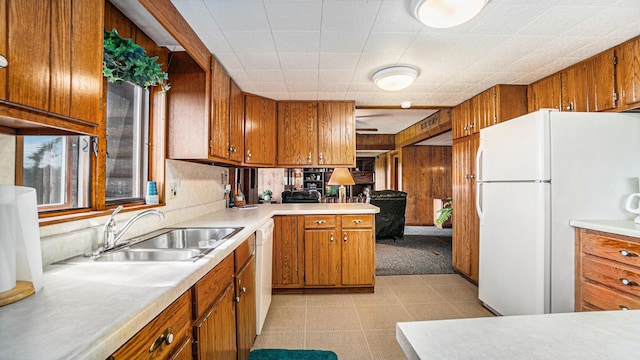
[51, 219]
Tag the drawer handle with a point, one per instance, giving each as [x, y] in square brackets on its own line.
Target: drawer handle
[345, 238]
[628, 282]
[166, 337]
[622, 307]
[357, 221]
[320, 222]
[331, 238]
[627, 253]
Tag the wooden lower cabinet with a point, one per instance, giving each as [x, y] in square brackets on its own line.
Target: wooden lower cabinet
[288, 252]
[164, 336]
[607, 271]
[465, 222]
[322, 258]
[215, 332]
[215, 319]
[245, 288]
[324, 253]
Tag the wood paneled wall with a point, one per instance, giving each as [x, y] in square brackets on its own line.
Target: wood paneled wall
[426, 175]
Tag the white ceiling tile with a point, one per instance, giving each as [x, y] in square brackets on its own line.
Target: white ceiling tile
[306, 96]
[270, 76]
[260, 61]
[349, 15]
[393, 18]
[215, 41]
[251, 41]
[299, 61]
[229, 61]
[234, 15]
[301, 76]
[336, 76]
[325, 86]
[332, 95]
[276, 95]
[389, 43]
[557, 20]
[339, 61]
[336, 41]
[198, 13]
[260, 87]
[297, 41]
[294, 15]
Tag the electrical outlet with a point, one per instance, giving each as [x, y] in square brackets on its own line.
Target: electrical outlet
[173, 191]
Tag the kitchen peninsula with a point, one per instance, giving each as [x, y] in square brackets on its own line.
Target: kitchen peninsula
[94, 308]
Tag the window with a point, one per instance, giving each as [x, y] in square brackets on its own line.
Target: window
[59, 168]
[127, 139]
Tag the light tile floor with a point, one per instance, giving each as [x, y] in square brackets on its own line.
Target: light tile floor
[362, 326]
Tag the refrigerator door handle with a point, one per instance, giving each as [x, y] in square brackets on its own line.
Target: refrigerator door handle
[479, 186]
[479, 155]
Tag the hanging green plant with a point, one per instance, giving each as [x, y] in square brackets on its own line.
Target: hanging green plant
[125, 60]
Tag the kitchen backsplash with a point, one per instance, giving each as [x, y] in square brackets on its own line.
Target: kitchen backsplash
[200, 191]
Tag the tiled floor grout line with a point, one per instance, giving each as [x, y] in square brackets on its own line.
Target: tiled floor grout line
[362, 328]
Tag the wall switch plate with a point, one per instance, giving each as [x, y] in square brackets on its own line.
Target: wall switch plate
[173, 191]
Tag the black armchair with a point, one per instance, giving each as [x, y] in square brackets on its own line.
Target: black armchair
[390, 220]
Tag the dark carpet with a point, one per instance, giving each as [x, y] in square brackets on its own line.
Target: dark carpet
[414, 255]
[282, 354]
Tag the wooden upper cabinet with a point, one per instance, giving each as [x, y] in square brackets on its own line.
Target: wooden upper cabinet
[236, 130]
[629, 73]
[492, 106]
[189, 109]
[460, 119]
[590, 84]
[54, 72]
[336, 134]
[220, 119]
[574, 88]
[545, 93]
[297, 132]
[260, 130]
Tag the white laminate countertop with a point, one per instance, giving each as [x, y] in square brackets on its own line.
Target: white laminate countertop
[620, 227]
[580, 336]
[88, 310]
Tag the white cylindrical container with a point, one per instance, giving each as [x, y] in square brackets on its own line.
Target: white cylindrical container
[7, 239]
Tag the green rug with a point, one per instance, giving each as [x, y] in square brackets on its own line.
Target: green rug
[282, 354]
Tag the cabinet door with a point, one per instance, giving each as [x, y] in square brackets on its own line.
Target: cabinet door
[602, 89]
[322, 257]
[85, 65]
[260, 131]
[297, 122]
[215, 333]
[29, 53]
[465, 220]
[184, 350]
[220, 90]
[236, 131]
[545, 93]
[358, 257]
[574, 88]
[336, 134]
[288, 252]
[246, 308]
[629, 66]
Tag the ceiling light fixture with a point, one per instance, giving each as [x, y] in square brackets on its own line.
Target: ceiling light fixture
[446, 13]
[395, 78]
[405, 104]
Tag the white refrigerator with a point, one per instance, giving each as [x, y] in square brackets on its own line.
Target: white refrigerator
[535, 173]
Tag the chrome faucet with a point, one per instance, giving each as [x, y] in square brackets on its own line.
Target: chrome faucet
[112, 236]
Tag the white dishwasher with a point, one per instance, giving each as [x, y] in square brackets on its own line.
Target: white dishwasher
[264, 258]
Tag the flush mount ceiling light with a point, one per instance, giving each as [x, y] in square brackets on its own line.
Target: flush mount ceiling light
[395, 78]
[446, 13]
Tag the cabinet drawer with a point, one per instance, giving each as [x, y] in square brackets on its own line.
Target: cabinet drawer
[244, 252]
[610, 248]
[209, 288]
[149, 342]
[618, 276]
[608, 299]
[357, 221]
[320, 222]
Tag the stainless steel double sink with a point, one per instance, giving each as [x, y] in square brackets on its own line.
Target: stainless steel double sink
[177, 244]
